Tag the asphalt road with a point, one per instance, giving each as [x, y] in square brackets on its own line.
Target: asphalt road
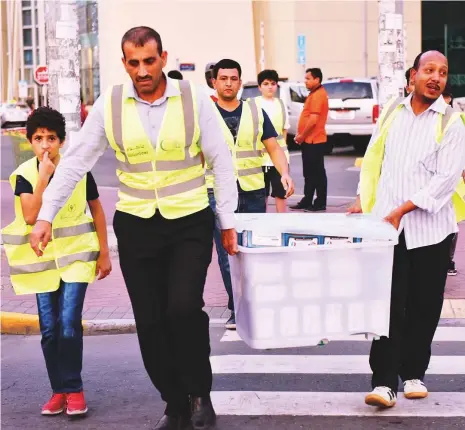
[341, 181]
[121, 397]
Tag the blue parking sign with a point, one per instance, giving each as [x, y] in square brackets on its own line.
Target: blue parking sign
[301, 49]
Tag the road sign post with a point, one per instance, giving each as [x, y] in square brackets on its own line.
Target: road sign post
[301, 51]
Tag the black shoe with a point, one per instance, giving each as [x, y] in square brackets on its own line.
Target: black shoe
[231, 323]
[180, 422]
[315, 209]
[302, 205]
[203, 414]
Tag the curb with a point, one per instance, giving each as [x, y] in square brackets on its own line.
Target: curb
[25, 324]
[358, 162]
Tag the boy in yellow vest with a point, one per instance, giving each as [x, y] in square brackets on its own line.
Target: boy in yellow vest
[276, 111]
[60, 276]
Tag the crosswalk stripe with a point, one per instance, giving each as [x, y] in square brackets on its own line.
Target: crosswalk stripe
[253, 403]
[443, 334]
[319, 364]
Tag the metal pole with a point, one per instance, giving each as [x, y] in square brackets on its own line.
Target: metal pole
[41, 42]
[63, 60]
[390, 50]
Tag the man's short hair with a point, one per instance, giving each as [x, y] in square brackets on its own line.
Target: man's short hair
[175, 74]
[407, 74]
[45, 117]
[139, 36]
[271, 75]
[226, 64]
[316, 73]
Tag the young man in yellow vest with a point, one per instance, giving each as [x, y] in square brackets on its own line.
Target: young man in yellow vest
[410, 171]
[274, 107]
[158, 128]
[249, 133]
[61, 275]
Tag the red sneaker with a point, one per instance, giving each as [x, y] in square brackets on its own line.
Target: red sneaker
[55, 405]
[76, 404]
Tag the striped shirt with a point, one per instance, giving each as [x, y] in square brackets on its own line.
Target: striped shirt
[417, 168]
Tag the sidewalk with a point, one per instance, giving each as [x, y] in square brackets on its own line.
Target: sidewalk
[108, 299]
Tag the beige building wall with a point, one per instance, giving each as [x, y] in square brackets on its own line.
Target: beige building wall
[337, 35]
[192, 31]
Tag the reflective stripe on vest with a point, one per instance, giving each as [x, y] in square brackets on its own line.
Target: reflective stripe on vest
[157, 177]
[71, 254]
[373, 159]
[278, 120]
[247, 150]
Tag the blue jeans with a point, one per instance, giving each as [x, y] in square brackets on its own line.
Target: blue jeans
[249, 202]
[252, 202]
[60, 314]
[223, 260]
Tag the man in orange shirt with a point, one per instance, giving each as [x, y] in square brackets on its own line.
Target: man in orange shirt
[311, 134]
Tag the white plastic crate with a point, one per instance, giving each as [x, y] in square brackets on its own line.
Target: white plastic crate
[288, 297]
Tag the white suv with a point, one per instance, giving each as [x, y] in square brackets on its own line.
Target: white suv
[293, 94]
[353, 111]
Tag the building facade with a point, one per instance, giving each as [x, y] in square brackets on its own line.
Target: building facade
[340, 37]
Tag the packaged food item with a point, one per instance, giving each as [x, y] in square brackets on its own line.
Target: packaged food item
[252, 239]
[330, 240]
[301, 240]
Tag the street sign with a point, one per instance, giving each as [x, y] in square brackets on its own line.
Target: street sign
[301, 49]
[187, 67]
[41, 75]
[22, 87]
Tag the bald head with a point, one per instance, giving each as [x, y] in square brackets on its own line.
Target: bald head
[429, 74]
[427, 56]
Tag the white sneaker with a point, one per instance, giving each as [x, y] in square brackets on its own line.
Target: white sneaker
[415, 389]
[382, 397]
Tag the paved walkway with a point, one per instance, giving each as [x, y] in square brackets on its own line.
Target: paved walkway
[108, 299]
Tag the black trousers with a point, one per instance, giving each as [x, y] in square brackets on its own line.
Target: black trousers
[313, 162]
[164, 264]
[418, 283]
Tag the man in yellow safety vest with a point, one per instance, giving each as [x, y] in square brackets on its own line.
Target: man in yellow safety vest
[158, 127]
[409, 177]
[249, 133]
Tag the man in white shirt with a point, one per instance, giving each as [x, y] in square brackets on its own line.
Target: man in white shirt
[274, 107]
[414, 193]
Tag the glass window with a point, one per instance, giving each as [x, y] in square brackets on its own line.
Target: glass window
[27, 17]
[298, 94]
[28, 75]
[349, 90]
[26, 3]
[28, 60]
[27, 37]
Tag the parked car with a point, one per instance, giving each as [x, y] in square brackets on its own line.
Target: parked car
[13, 114]
[293, 95]
[353, 111]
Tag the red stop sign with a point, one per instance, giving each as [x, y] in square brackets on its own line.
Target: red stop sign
[41, 75]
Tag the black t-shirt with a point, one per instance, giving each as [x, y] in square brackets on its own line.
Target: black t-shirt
[232, 120]
[24, 186]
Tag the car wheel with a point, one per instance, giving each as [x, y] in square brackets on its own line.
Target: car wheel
[361, 146]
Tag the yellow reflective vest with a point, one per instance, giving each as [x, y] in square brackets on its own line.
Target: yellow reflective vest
[373, 159]
[278, 120]
[247, 150]
[170, 176]
[70, 256]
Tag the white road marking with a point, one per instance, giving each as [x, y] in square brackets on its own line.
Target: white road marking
[259, 403]
[319, 364]
[443, 334]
